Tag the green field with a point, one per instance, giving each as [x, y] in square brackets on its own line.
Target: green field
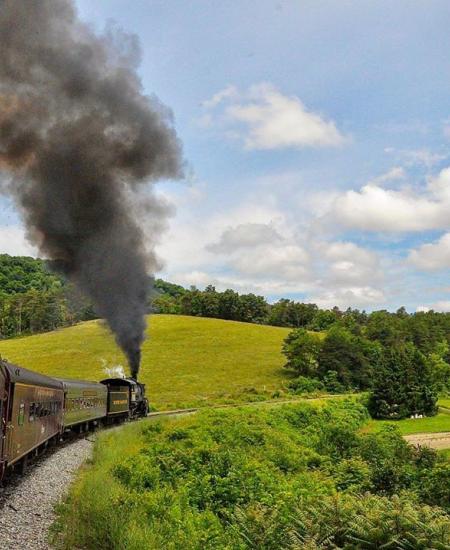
[444, 402]
[185, 360]
[431, 424]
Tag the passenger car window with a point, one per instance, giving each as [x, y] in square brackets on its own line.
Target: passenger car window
[21, 414]
[32, 412]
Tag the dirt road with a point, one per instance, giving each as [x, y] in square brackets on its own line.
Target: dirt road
[438, 441]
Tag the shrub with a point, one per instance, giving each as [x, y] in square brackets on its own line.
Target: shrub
[302, 384]
[287, 477]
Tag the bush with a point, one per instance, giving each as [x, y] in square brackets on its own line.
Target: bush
[287, 477]
[302, 384]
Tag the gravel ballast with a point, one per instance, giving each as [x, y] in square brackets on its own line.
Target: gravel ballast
[27, 502]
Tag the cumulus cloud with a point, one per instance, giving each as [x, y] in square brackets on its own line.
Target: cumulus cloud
[264, 119]
[432, 256]
[273, 258]
[13, 241]
[376, 208]
[350, 264]
[441, 305]
[263, 248]
[245, 235]
[229, 92]
[260, 251]
[350, 297]
[288, 262]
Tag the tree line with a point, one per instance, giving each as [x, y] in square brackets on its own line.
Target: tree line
[329, 348]
[402, 360]
[35, 299]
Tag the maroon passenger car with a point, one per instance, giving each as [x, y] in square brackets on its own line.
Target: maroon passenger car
[31, 412]
[36, 410]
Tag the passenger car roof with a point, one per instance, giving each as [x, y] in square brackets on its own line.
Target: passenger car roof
[19, 375]
[68, 383]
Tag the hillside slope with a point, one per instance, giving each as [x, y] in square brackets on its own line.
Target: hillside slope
[185, 360]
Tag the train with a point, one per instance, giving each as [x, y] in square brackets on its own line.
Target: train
[37, 411]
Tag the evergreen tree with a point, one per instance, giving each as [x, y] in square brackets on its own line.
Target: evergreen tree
[403, 385]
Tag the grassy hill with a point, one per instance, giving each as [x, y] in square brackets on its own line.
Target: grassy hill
[185, 360]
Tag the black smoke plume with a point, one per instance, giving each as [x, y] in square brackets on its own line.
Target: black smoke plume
[77, 137]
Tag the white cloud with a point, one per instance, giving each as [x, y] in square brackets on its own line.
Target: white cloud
[440, 185]
[245, 235]
[261, 251]
[375, 208]
[286, 262]
[350, 297]
[227, 93]
[432, 256]
[395, 173]
[441, 305]
[265, 248]
[350, 264]
[14, 242]
[416, 157]
[264, 119]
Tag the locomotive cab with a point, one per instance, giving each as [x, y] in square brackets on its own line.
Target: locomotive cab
[138, 401]
[126, 397]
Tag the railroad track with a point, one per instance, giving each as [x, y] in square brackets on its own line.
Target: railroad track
[27, 501]
[270, 402]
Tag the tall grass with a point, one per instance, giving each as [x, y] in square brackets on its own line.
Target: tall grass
[289, 477]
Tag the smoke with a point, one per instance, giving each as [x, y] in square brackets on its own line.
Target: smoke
[78, 139]
[114, 371]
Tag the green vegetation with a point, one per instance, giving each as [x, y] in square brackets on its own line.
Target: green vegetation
[403, 384]
[285, 477]
[404, 374]
[186, 361]
[445, 454]
[340, 360]
[407, 426]
[20, 274]
[444, 402]
[34, 299]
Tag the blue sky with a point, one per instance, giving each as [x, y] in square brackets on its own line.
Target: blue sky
[317, 140]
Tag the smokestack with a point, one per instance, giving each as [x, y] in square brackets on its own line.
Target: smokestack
[77, 140]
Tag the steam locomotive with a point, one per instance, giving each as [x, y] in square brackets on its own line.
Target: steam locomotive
[36, 410]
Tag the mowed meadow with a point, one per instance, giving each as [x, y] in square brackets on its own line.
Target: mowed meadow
[186, 361]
